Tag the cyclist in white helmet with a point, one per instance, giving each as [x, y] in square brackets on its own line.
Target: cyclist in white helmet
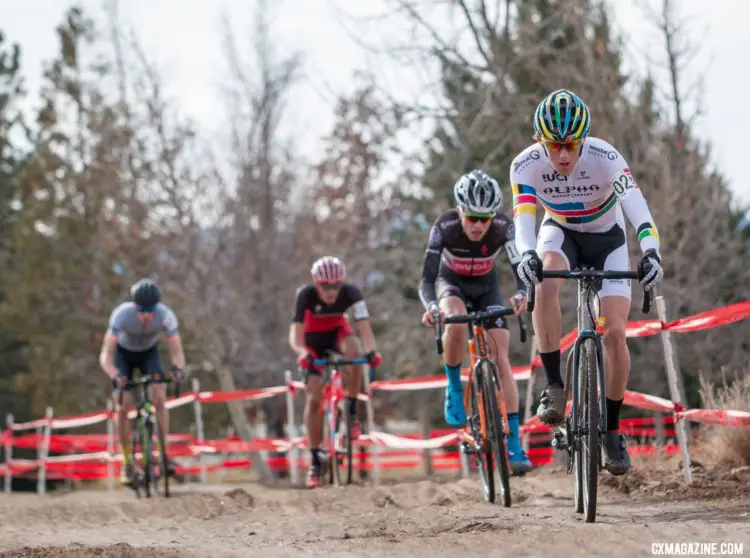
[459, 267]
[320, 325]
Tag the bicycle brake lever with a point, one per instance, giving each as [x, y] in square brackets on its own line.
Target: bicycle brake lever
[646, 301]
[523, 326]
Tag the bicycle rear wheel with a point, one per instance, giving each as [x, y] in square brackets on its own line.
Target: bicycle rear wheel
[343, 456]
[495, 428]
[483, 448]
[161, 465]
[589, 450]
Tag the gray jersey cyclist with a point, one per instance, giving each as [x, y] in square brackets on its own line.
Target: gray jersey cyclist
[131, 343]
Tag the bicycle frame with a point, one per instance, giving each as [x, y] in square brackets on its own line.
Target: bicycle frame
[478, 352]
[333, 388]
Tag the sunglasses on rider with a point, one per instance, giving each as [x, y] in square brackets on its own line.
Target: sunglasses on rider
[330, 286]
[557, 146]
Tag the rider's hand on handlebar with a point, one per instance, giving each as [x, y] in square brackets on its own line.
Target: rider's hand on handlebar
[432, 313]
[650, 271]
[374, 359]
[530, 269]
[304, 360]
[518, 301]
[119, 381]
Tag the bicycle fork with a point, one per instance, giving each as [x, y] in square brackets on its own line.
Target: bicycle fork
[567, 437]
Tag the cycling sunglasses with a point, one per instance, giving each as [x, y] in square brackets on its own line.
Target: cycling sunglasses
[478, 217]
[557, 146]
[146, 309]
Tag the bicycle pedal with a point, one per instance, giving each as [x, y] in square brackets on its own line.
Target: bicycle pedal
[560, 441]
[467, 449]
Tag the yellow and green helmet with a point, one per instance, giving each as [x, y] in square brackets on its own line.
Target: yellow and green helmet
[562, 116]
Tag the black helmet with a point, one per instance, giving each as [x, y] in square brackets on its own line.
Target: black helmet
[145, 293]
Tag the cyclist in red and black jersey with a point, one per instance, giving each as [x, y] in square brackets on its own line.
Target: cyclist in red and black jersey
[459, 267]
[320, 325]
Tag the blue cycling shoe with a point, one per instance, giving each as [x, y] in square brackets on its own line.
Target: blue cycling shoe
[453, 409]
[517, 457]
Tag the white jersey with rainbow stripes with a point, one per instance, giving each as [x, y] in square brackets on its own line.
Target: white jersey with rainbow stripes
[591, 199]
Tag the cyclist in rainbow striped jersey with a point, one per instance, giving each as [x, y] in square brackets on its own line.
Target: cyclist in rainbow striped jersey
[586, 189]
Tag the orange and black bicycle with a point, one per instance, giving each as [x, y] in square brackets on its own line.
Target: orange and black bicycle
[487, 419]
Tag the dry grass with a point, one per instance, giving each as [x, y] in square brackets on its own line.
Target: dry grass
[727, 445]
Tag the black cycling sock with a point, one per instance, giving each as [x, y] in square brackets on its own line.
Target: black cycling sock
[315, 456]
[551, 362]
[613, 414]
[352, 406]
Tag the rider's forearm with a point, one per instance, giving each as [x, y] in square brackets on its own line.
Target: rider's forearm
[367, 336]
[296, 339]
[427, 293]
[524, 217]
[637, 212]
[430, 269]
[176, 352]
[107, 362]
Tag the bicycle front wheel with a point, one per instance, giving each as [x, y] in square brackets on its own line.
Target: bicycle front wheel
[495, 428]
[342, 454]
[161, 464]
[482, 449]
[577, 468]
[147, 455]
[589, 427]
[136, 475]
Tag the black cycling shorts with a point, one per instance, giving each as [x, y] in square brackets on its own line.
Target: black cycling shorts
[478, 294]
[148, 361]
[606, 251]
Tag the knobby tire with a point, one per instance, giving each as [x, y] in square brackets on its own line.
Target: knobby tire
[496, 432]
[484, 458]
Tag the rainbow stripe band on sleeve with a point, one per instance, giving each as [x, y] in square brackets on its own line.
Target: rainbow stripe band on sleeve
[524, 199]
[647, 229]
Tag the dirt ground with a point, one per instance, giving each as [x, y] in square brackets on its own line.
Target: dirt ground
[408, 519]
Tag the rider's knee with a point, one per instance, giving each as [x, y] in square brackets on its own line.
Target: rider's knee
[351, 347]
[614, 338]
[549, 288]
[455, 332]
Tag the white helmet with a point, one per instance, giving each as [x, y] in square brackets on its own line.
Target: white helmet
[478, 192]
[328, 269]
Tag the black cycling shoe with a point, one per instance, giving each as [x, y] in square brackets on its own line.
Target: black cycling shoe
[616, 458]
[551, 410]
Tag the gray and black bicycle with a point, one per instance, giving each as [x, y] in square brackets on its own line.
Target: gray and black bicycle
[147, 432]
[586, 423]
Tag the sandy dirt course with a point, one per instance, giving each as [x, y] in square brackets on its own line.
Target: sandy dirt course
[408, 519]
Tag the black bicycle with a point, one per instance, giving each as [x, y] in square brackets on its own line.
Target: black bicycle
[483, 397]
[581, 433]
[146, 426]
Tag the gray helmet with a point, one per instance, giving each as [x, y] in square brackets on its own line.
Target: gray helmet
[478, 192]
[145, 293]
